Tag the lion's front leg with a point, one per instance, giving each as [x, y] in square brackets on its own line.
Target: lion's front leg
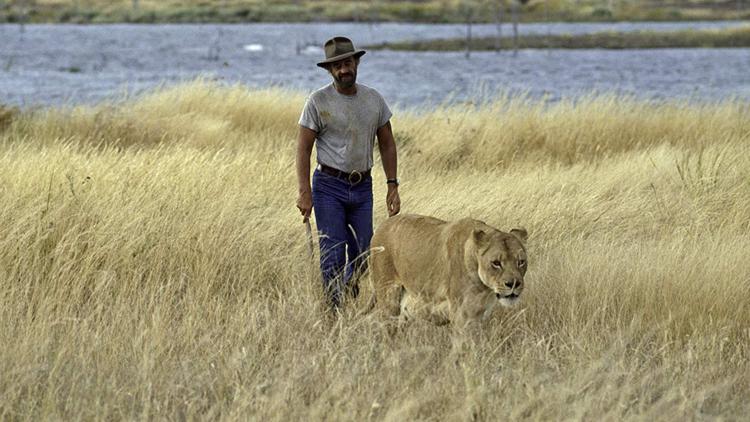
[415, 307]
[471, 310]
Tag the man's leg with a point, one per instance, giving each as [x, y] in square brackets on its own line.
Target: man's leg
[359, 233]
[329, 197]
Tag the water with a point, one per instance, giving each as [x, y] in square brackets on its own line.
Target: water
[55, 64]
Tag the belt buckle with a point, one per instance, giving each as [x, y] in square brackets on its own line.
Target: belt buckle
[358, 177]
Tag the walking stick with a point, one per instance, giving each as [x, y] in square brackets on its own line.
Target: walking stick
[308, 232]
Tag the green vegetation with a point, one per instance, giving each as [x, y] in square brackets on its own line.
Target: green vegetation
[234, 11]
[733, 37]
[153, 265]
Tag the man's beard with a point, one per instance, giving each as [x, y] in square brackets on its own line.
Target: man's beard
[346, 83]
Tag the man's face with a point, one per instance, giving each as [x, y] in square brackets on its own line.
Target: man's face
[344, 72]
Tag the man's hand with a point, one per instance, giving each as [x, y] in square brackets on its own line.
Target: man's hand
[392, 201]
[304, 204]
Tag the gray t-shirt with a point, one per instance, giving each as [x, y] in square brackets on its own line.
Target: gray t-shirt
[346, 125]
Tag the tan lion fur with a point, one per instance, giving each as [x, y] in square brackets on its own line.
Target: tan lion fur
[445, 271]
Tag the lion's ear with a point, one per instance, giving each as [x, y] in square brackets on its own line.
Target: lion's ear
[520, 233]
[480, 238]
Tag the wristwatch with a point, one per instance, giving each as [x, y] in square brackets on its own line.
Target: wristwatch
[393, 181]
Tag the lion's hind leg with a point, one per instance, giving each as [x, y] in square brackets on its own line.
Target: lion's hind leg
[389, 298]
[388, 290]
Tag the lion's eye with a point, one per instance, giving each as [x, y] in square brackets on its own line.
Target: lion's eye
[497, 264]
[521, 263]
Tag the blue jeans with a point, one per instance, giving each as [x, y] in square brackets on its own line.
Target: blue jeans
[343, 214]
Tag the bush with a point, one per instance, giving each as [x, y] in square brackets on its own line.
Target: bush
[7, 115]
[602, 13]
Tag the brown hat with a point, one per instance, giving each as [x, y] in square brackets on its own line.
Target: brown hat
[339, 48]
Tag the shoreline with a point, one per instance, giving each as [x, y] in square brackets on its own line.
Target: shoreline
[430, 11]
[738, 37]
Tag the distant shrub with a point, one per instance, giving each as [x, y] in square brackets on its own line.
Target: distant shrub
[71, 69]
[413, 12]
[140, 16]
[602, 13]
[77, 16]
[7, 115]
[659, 15]
[242, 12]
[290, 13]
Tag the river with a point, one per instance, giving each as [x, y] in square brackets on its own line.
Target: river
[47, 65]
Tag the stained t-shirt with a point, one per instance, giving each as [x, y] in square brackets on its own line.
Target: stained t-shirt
[346, 125]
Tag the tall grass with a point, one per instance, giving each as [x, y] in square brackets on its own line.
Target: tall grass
[152, 264]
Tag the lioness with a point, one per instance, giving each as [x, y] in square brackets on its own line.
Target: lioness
[441, 271]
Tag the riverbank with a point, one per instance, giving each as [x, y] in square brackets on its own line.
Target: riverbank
[713, 38]
[430, 11]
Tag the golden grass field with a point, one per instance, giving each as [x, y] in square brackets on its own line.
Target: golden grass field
[153, 264]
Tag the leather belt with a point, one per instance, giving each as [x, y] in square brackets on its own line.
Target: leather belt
[353, 177]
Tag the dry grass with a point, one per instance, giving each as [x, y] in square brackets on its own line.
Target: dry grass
[734, 37]
[152, 265]
[455, 11]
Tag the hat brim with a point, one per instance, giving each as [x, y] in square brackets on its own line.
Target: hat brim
[357, 54]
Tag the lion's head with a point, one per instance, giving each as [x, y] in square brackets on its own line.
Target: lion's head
[501, 258]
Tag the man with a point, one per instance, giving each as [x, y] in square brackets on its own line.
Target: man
[344, 118]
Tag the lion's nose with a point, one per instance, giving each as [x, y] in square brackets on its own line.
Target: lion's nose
[513, 283]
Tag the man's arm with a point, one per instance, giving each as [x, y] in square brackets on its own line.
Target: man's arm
[305, 141]
[387, 146]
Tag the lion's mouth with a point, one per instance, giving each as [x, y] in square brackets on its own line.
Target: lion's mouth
[510, 296]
